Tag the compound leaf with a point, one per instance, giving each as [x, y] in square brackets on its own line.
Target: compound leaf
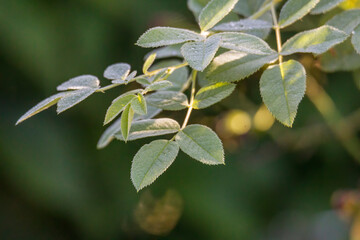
[346, 21]
[214, 12]
[316, 41]
[150, 128]
[117, 106]
[117, 71]
[200, 54]
[163, 36]
[212, 94]
[73, 97]
[151, 161]
[282, 89]
[325, 6]
[41, 106]
[294, 10]
[126, 120]
[234, 66]
[246, 43]
[168, 100]
[80, 82]
[201, 143]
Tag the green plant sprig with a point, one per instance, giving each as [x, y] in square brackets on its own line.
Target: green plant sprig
[244, 52]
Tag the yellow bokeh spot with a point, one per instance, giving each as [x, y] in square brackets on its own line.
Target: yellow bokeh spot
[263, 120]
[350, 4]
[238, 122]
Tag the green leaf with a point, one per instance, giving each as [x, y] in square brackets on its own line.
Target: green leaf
[148, 62]
[243, 25]
[196, 6]
[294, 10]
[73, 97]
[245, 43]
[80, 82]
[355, 40]
[168, 100]
[109, 134]
[158, 85]
[346, 21]
[151, 112]
[117, 106]
[200, 54]
[138, 104]
[325, 6]
[315, 41]
[248, 7]
[126, 120]
[212, 94]
[145, 81]
[201, 143]
[41, 106]
[283, 89]
[342, 57]
[214, 12]
[117, 71]
[163, 36]
[234, 66]
[151, 161]
[150, 128]
[166, 52]
[130, 77]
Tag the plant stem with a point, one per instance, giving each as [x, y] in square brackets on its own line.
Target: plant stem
[193, 85]
[278, 36]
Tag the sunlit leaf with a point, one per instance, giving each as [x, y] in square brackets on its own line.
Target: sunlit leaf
[168, 100]
[282, 89]
[150, 128]
[138, 104]
[201, 143]
[117, 71]
[200, 54]
[243, 25]
[346, 21]
[117, 106]
[80, 82]
[41, 106]
[214, 12]
[126, 121]
[151, 161]
[245, 43]
[355, 40]
[325, 6]
[148, 62]
[163, 36]
[73, 97]
[212, 94]
[294, 10]
[234, 66]
[314, 41]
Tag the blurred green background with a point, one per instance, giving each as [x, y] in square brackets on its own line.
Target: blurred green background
[54, 184]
